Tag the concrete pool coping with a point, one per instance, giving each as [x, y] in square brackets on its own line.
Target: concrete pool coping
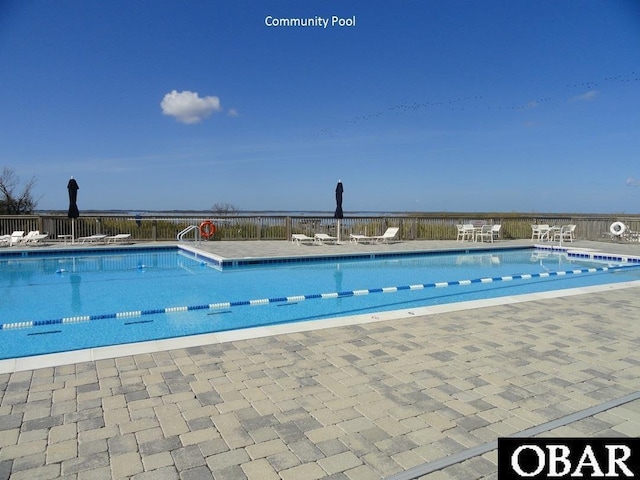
[357, 400]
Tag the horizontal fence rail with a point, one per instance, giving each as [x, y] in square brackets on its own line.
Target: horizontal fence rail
[436, 226]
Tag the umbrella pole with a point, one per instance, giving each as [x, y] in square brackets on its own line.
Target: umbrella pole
[73, 228]
[338, 227]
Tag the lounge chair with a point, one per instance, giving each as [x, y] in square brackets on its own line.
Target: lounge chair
[93, 238]
[33, 237]
[356, 238]
[390, 234]
[384, 238]
[5, 240]
[300, 238]
[29, 235]
[16, 237]
[120, 237]
[321, 238]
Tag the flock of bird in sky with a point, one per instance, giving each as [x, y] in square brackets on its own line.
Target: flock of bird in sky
[462, 103]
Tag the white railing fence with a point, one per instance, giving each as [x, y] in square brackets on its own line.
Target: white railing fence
[436, 226]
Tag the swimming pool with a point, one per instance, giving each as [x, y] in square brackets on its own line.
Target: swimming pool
[61, 302]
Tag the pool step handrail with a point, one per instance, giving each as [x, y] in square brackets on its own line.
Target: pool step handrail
[190, 228]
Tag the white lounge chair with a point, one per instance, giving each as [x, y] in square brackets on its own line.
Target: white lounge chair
[120, 237]
[16, 237]
[356, 238]
[93, 238]
[33, 237]
[384, 238]
[300, 238]
[5, 240]
[321, 238]
[390, 234]
[29, 235]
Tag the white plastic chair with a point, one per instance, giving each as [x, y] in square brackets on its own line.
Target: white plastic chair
[539, 231]
[465, 232]
[485, 233]
[495, 232]
[565, 234]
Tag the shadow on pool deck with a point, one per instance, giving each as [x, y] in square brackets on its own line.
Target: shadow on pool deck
[361, 401]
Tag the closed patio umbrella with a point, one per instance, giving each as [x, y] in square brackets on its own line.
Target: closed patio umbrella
[338, 213]
[73, 188]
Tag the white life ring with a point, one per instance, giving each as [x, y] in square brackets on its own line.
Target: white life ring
[617, 228]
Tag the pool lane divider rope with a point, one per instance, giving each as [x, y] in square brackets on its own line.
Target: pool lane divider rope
[300, 298]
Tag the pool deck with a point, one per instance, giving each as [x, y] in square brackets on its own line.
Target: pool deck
[416, 394]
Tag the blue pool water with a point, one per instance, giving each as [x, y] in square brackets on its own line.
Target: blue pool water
[65, 302]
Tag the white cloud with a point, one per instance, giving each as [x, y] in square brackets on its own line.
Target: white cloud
[632, 182]
[586, 97]
[189, 107]
[233, 112]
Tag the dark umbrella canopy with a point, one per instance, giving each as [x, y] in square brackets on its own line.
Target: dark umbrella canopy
[73, 188]
[339, 191]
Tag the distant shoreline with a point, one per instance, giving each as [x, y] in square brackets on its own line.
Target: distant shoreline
[319, 213]
[240, 213]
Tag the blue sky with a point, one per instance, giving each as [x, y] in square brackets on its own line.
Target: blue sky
[423, 105]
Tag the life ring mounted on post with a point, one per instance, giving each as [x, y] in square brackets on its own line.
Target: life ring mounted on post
[617, 228]
[207, 229]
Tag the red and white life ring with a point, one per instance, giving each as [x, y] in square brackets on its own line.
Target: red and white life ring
[617, 228]
[207, 229]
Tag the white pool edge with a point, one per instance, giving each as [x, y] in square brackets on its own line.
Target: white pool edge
[116, 351]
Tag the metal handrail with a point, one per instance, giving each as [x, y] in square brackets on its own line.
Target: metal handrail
[183, 232]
